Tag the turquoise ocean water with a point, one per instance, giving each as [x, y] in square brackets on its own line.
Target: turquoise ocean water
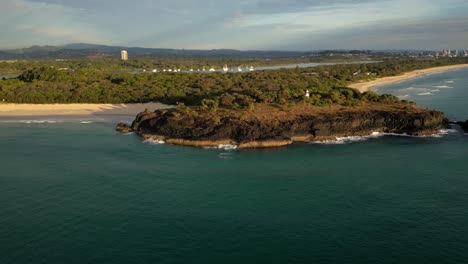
[73, 192]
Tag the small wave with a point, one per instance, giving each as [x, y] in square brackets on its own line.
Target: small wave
[413, 89]
[350, 139]
[435, 91]
[225, 155]
[228, 147]
[33, 121]
[403, 96]
[409, 88]
[354, 139]
[443, 87]
[86, 122]
[425, 94]
[154, 141]
[439, 134]
[447, 131]
[224, 147]
[449, 82]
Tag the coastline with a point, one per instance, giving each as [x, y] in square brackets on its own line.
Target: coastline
[44, 110]
[339, 138]
[367, 86]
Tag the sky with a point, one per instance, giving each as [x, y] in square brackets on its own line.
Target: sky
[238, 24]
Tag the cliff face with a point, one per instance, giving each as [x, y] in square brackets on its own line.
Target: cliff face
[205, 129]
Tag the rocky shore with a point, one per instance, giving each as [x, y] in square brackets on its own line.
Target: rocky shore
[278, 128]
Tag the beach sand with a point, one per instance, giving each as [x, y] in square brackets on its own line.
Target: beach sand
[42, 110]
[366, 86]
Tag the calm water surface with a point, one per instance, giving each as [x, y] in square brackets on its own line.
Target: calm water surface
[73, 192]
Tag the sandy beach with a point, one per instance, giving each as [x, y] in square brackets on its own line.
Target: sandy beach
[42, 110]
[366, 86]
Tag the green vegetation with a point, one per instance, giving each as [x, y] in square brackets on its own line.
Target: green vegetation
[88, 82]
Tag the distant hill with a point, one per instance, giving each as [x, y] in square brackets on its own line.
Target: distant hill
[76, 50]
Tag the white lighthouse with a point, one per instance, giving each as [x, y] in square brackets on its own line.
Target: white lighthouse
[124, 55]
[307, 94]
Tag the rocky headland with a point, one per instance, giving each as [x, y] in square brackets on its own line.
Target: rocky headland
[280, 126]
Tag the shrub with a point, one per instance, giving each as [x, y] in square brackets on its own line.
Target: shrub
[209, 104]
[370, 96]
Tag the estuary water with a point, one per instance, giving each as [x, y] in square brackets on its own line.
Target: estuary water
[77, 192]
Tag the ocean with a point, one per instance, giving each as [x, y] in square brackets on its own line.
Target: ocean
[75, 191]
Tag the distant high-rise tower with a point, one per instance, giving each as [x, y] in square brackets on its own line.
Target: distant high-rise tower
[124, 55]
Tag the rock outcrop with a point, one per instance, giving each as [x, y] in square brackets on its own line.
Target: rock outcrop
[251, 131]
[123, 128]
[464, 125]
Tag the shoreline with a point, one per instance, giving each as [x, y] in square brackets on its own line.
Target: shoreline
[102, 110]
[367, 86]
[339, 138]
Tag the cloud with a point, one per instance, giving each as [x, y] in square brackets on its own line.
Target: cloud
[241, 24]
[58, 32]
[44, 23]
[421, 34]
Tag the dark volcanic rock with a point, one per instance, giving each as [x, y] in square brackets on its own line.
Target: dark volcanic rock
[123, 128]
[175, 124]
[464, 125]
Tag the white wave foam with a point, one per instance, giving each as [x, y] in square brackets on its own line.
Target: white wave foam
[435, 91]
[86, 122]
[350, 139]
[449, 82]
[154, 141]
[32, 121]
[354, 139]
[403, 96]
[443, 87]
[411, 88]
[439, 134]
[224, 146]
[228, 147]
[425, 94]
[447, 131]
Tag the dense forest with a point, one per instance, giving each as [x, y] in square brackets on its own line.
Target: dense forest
[88, 83]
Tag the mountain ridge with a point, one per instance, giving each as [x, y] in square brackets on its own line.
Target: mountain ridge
[86, 49]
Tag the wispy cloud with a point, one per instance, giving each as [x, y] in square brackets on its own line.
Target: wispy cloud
[27, 23]
[242, 24]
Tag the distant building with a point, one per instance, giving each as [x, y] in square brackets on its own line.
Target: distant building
[124, 55]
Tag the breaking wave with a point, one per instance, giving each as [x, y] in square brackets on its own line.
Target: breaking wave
[350, 139]
[224, 147]
[154, 141]
[355, 139]
[31, 121]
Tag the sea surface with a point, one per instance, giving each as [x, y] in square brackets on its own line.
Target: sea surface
[75, 191]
